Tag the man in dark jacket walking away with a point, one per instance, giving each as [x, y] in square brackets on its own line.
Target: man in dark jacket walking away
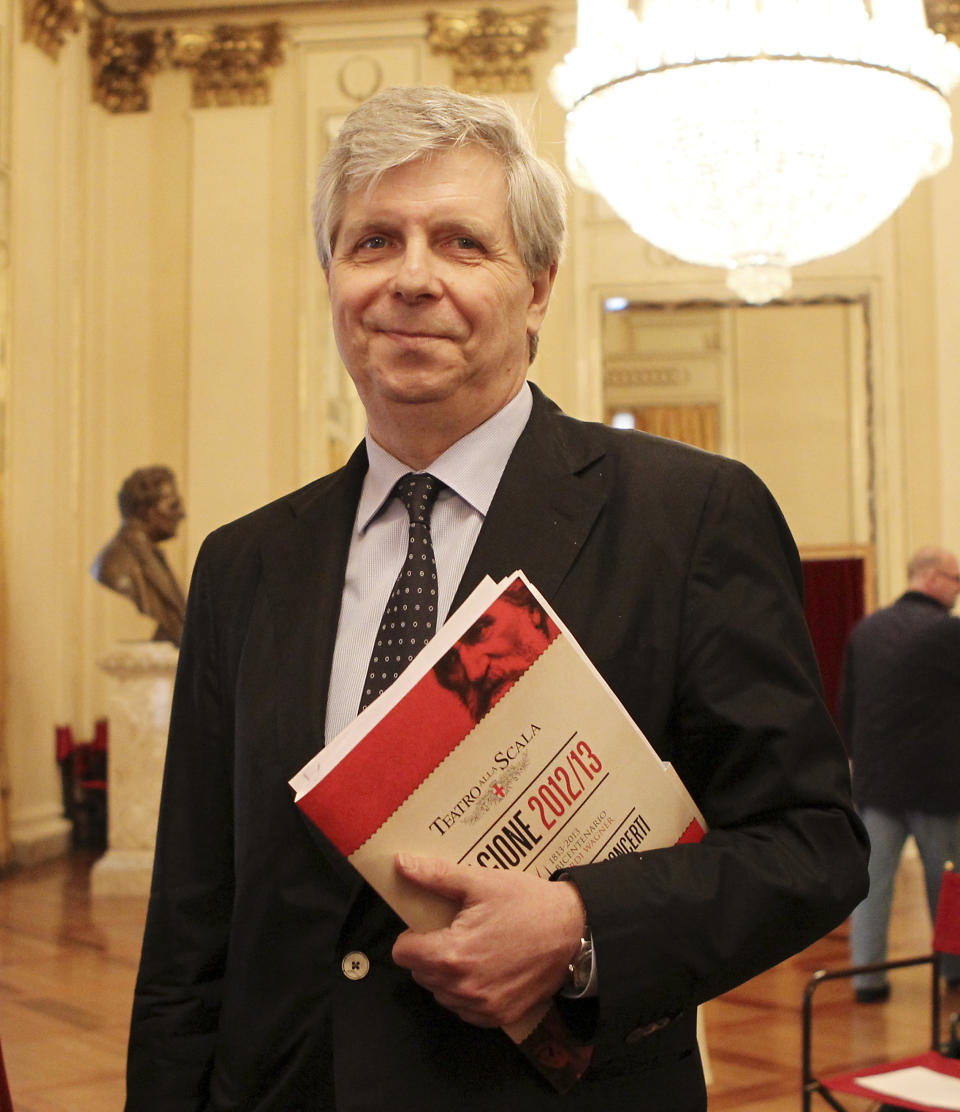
[900, 713]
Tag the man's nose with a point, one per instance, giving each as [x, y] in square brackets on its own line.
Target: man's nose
[416, 275]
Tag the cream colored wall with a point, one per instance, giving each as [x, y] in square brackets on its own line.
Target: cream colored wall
[167, 308]
[42, 518]
[798, 409]
[945, 336]
[6, 33]
[787, 384]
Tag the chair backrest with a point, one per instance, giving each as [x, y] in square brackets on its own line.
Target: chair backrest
[946, 927]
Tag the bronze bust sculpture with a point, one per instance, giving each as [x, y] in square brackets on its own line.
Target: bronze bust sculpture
[131, 562]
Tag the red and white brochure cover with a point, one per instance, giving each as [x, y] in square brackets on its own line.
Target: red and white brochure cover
[501, 746]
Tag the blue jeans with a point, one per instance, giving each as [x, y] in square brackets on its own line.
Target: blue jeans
[938, 840]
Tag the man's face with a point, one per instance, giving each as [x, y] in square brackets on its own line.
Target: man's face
[432, 306]
[495, 652]
[166, 513]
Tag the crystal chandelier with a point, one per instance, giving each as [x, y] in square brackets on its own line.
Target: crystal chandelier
[755, 135]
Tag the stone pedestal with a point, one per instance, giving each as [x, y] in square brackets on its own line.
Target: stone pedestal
[140, 688]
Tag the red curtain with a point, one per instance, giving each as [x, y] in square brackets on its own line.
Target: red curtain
[834, 603]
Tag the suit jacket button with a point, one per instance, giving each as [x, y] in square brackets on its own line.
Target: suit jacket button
[355, 965]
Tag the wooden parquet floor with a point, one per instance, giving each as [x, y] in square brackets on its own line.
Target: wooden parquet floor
[68, 962]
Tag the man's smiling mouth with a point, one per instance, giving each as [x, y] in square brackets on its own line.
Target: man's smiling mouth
[410, 338]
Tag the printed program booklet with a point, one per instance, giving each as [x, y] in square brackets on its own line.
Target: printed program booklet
[500, 746]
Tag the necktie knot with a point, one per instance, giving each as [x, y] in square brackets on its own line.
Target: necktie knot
[418, 493]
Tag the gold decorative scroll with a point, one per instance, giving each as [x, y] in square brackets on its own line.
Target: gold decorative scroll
[122, 60]
[46, 23]
[943, 16]
[490, 49]
[229, 65]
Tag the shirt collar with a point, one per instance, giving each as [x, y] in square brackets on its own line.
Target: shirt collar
[471, 468]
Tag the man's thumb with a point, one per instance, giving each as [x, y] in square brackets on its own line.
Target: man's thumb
[445, 878]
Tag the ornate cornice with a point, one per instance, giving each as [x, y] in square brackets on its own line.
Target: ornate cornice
[229, 65]
[46, 23]
[490, 49]
[944, 16]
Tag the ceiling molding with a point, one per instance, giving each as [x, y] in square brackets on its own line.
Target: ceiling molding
[231, 63]
[154, 10]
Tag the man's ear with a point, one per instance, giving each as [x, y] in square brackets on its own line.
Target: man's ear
[541, 288]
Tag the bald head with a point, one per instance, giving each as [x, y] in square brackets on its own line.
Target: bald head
[934, 571]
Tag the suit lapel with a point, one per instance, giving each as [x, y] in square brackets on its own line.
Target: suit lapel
[304, 567]
[552, 489]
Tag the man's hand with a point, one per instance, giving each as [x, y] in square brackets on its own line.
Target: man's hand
[508, 947]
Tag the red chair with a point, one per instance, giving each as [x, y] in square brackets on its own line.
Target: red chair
[946, 940]
[83, 776]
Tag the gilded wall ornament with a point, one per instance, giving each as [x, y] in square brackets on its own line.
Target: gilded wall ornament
[230, 65]
[944, 16]
[122, 60]
[46, 23]
[490, 49]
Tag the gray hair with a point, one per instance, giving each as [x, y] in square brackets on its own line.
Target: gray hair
[404, 123]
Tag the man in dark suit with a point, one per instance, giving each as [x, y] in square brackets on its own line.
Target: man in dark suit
[899, 708]
[272, 977]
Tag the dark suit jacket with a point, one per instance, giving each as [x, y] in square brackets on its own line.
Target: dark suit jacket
[900, 705]
[676, 572]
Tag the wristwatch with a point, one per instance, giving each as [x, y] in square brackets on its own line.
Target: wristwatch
[580, 968]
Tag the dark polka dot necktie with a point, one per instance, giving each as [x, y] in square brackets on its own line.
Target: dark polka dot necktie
[410, 617]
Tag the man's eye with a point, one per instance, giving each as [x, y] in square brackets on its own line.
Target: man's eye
[373, 242]
[467, 243]
[477, 631]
